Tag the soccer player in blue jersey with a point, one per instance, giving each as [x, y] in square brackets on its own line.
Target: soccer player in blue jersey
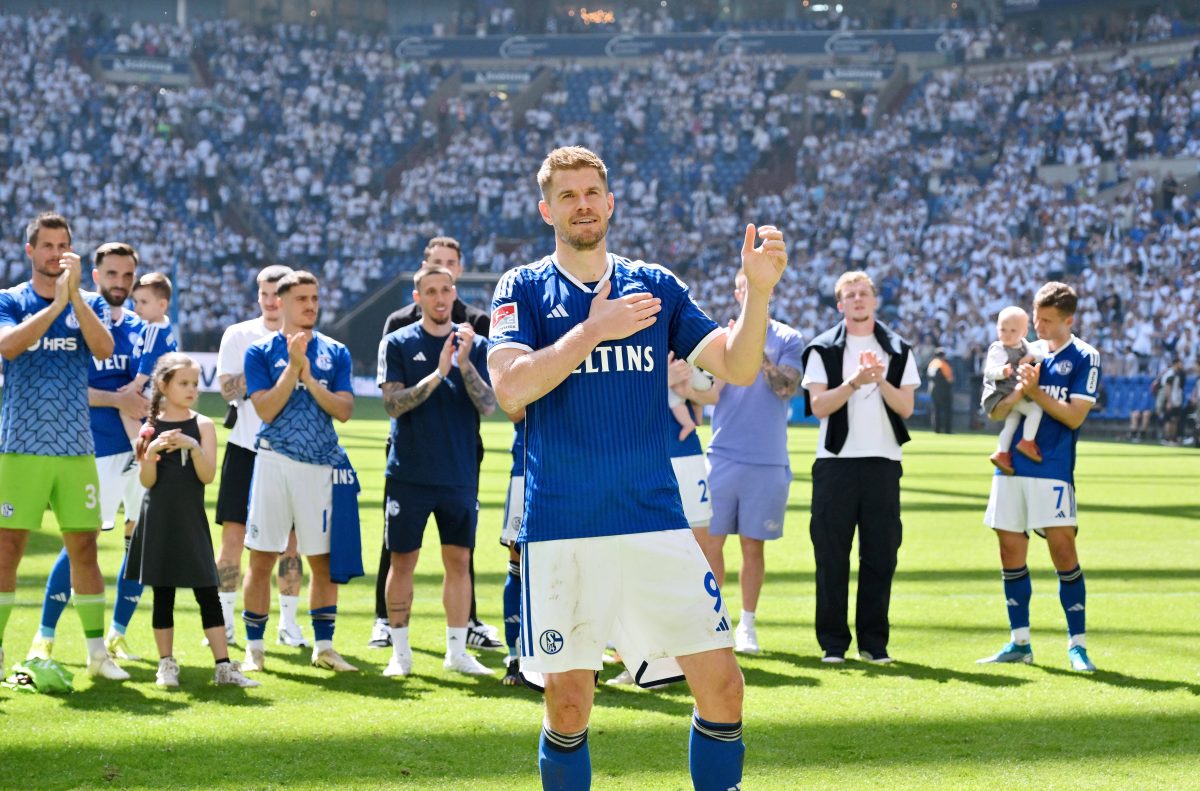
[49, 332]
[114, 266]
[434, 380]
[579, 340]
[298, 380]
[1041, 496]
[514, 509]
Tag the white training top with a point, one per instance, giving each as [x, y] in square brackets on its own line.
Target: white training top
[231, 359]
[870, 434]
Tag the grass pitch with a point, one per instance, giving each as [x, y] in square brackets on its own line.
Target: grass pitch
[934, 719]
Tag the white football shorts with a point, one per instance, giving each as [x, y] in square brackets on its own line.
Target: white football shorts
[285, 492]
[692, 474]
[652, 594]
[117, 487]
[1019, 504]
[514, 510]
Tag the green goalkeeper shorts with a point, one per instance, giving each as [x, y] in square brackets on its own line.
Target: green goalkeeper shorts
[68, 484]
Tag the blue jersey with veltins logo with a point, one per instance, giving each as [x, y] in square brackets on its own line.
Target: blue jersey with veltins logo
[1072, 372]
[302, 431]
[597, 461]
[111, 375]
[45, 410]
[157, 339]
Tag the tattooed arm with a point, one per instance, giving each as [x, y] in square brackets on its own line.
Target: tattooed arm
[783, 379]
[398, 399]
[233, 386]
[480, 391]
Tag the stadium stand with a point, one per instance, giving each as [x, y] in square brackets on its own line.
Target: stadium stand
[322, 149]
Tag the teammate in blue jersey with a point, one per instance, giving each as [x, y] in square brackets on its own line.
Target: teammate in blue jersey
[299, 380]
[579, 340]
[1041, 496]
[514, 508]
[114, 266]
[49, 332]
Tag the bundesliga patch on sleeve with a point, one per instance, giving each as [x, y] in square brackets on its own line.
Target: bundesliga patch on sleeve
[504, 319]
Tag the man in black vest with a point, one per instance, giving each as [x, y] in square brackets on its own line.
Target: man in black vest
[859, 379]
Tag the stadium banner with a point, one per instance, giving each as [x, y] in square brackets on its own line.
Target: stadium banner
[496, 78]
[855, 42]
[143, 70]
[855, 75]
[210, 383]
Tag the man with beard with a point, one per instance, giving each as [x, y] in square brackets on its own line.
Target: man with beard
[443, 251]
[580, 341]
[435, 387]
[114, 265]
[298, 380]
[49, 331]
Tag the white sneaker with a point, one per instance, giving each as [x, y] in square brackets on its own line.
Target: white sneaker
[168, 673]
[332, 660]
[230, 674]
[467, 665]
[745, 640]
[101, 664]
[255, 661]
[291, 636]
[398, 666]
[381, 634]
[486, 628]
[624, 679]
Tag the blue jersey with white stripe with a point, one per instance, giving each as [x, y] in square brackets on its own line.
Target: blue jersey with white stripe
[597, 461]
[111, 375]
[1072, 372]
[45, 411]
[157, 339]
[302, 430]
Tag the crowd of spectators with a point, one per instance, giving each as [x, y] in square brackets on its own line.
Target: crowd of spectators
[330, 144]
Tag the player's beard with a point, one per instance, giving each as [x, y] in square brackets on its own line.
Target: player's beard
[587, 237]
[112, 300]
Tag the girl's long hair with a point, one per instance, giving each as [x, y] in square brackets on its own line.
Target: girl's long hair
[164, 372]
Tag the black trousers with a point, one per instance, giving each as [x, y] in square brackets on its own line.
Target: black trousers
[849, 493]
[163, 613]
[943, 413]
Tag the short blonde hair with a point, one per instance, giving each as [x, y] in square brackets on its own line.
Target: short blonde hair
[857, 276]
[569, 158]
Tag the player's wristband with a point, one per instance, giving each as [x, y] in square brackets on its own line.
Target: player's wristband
[853, 386]
[439, 375]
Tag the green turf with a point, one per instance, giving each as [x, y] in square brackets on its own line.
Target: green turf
[934, 719]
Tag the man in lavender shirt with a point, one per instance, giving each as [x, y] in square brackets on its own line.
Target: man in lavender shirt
[749, 473]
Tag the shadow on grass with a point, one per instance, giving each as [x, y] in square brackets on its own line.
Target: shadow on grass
[400, 751]
[1125, 681]
[904, 669]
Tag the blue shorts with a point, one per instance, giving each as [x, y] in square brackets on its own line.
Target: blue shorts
[748, 500]
[407, 508]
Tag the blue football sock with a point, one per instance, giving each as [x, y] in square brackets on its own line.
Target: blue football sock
[256, 624]
[1072, 592]
[512, 607]
[1018, 589]
[564, 761]
[715, 755]
[323, 619]
[58, 594]
[129, 592]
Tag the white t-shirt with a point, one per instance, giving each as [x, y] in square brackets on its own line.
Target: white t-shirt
[231, 359]
[870, 434]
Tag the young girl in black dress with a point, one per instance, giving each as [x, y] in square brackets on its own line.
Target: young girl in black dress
[171, 546]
